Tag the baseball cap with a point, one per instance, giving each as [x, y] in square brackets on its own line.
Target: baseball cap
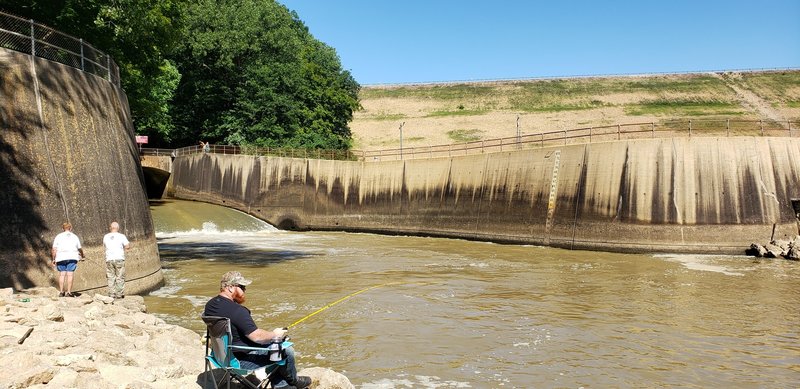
[233, 278]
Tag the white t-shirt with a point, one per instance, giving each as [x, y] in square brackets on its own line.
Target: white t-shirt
[67, 245]
[115, 243]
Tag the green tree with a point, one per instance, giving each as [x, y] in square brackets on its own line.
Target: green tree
[252, 74]
[136, 33]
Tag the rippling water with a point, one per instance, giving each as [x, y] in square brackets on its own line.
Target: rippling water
[413, 312]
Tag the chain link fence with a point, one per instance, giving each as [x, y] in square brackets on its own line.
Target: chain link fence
[29, 37]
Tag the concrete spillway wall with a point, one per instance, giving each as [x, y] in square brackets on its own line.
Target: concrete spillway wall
[67, 153]
[712, 195]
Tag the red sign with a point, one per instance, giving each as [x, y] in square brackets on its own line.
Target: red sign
[141, 139]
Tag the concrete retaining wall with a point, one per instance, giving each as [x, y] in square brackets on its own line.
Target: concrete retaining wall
[68, 153]
[705, 195]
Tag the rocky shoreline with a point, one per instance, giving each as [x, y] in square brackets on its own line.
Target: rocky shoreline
[94, 341]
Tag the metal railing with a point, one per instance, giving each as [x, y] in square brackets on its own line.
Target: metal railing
[252, 150]
[29, 37]
[666, 129]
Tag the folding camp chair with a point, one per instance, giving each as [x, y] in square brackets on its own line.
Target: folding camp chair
[219, 355]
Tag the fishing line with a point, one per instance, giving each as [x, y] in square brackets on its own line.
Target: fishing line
[340, 300]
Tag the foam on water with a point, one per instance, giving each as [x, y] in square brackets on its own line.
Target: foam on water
[704, 263]
[417, 381]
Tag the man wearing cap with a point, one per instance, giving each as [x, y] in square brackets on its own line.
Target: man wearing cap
[228, 303]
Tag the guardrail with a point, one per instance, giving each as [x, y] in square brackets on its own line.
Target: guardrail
[666, 129]
[252, 150]
[671, 128]
[29, 37]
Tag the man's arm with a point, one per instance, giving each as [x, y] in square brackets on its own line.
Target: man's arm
[264, 336]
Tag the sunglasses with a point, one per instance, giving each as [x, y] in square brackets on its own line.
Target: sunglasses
[242, 287]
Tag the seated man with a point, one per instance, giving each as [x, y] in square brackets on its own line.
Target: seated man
[245, 332]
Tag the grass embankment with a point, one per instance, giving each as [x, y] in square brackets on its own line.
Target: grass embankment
[451, 113]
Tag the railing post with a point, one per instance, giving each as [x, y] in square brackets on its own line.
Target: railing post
[618, 130]
[33, 39]
[761, 123]
[590, 134]
[565, 137]
[690, 128]
[728, 127]
[108, 66]
[542, 143]
[652, 129]
[83, 67]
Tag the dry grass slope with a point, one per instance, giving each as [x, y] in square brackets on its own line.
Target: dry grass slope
[437, 114]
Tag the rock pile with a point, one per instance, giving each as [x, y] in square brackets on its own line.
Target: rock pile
[94, 341]
[777, 249]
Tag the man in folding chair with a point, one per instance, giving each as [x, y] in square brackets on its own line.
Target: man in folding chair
[228, 303]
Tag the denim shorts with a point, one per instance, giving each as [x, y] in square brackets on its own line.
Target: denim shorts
[68, 265]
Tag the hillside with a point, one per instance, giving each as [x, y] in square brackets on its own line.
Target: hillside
[436, 114]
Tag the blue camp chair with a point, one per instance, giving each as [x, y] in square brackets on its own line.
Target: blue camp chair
[219, 355]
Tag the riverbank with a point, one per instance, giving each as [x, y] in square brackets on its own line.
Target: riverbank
[94, 341]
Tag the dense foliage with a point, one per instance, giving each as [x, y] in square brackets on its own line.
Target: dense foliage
[224, 71]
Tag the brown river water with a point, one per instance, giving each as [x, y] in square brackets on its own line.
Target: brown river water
[412, 312]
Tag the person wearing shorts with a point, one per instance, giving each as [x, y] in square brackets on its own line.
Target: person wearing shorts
[66, 253]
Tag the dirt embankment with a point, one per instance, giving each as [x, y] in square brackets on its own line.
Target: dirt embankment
[436, 114]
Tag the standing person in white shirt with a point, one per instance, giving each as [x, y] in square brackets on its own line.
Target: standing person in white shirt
[66, 253]
[116, 245]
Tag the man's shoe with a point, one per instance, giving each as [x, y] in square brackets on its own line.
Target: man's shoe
[61, 294]
[302, 382]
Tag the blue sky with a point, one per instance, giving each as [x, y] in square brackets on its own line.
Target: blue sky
[407, 41]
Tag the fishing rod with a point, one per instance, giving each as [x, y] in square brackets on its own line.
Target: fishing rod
[340, 300]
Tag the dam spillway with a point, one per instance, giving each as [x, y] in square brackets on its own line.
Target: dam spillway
[699, 194]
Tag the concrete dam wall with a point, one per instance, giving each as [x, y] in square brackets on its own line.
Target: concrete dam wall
[67, 153]
[700, 195]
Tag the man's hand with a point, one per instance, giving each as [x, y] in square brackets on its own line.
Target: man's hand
[280, 332]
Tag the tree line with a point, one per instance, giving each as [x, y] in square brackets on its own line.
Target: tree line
[243, 72]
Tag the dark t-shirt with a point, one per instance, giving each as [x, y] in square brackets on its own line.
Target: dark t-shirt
[241, 320]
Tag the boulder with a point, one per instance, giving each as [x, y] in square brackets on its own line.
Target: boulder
[756, 250]
[326, 378]
[773, 251]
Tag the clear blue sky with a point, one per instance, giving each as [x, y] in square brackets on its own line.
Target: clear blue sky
[406, 41]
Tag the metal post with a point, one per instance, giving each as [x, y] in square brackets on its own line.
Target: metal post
[652, 129]
[690, 128]
[33, 40]
[518, 134]
[761, 123]
[108, 66]
[82, 66]
[727, 127]
[565, 137]
[618, 130]
[590, 134]
[401, 140]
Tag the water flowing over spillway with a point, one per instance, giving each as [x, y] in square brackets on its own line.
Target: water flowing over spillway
[452, 313]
